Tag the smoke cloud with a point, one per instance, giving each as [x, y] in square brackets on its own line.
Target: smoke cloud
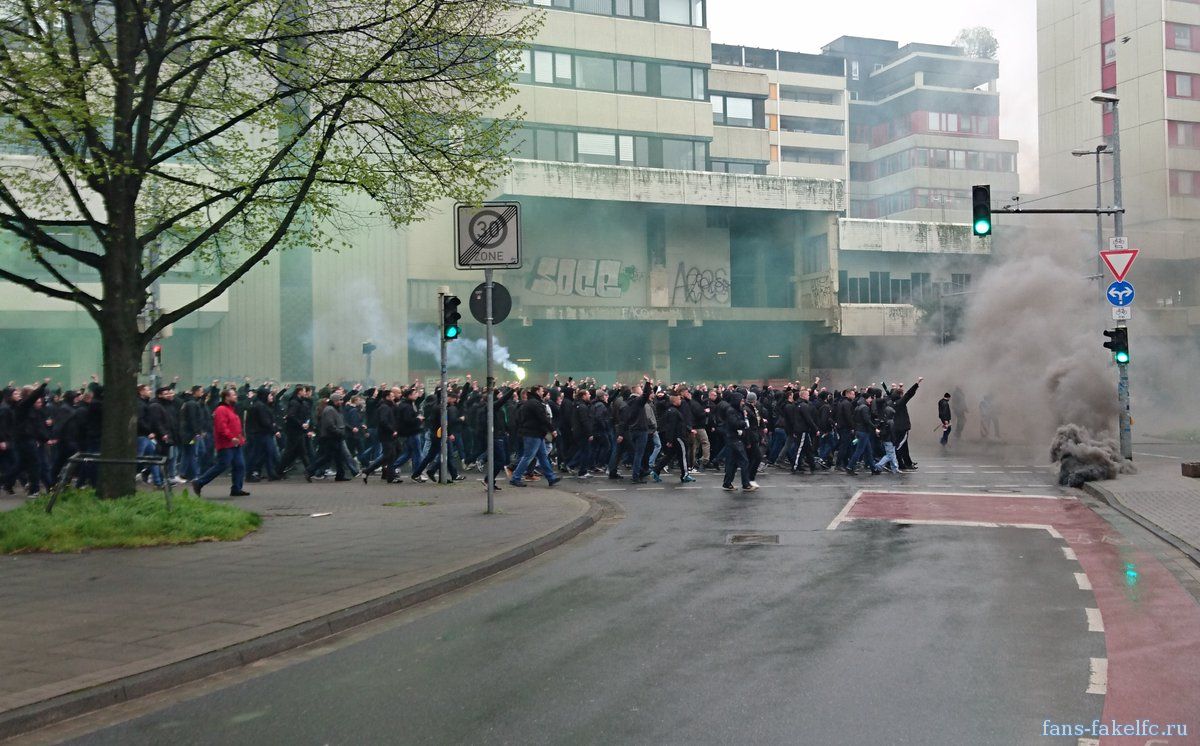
[1084, 458]
[463, 352]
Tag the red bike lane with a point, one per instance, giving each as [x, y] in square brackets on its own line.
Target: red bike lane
[1151, 624]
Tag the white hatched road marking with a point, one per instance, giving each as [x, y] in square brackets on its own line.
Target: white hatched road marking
[1069, 553]
[1081, 579]
[841, 516]
[1098, 677]
[1094, 620]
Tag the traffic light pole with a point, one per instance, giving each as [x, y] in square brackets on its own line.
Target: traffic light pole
[491, 400]
[1125, 419]
[442, 414]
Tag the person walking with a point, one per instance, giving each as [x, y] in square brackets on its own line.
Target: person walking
[733, 426]
[944, 415]
[331, 432]
[533, 426]
[228, 440]
[903, 424]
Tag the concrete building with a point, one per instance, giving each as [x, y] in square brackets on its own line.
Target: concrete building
[924, 128]
[1148, 54]
[676, 221]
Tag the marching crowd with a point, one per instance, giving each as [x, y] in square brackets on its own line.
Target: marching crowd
[577, 428]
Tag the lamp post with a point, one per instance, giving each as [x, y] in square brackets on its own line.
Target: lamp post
[1126, 429]
[1097, 151]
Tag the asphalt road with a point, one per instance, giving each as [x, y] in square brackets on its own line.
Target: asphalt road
[655, 629]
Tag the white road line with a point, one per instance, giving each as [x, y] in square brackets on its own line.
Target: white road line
[1081, 579]
[1155, 455]
[1094, 620]
[644, 489]
[1013, 471]
[841, 516]
[1069, 553]
[612, 489]
[978, 524]
[1098, 677]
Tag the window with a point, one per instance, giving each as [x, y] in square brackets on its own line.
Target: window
[596, 148]
[1183, 183]
[677, 81]
[562, 68]
[595, 74]
[812, 155]
[736, 167]
[854, 69]
[1183, 85]
[675, 11]
[1180, 36]
[1110, 52]
[631, 76]
[1107, 8]
[735, 111]
[525, 67]
[600, 7]
[543, 67]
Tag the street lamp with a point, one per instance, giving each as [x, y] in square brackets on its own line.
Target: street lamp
[1126, 421]
[1097, 151]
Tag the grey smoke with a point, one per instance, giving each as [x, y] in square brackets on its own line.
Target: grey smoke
[1083, 457]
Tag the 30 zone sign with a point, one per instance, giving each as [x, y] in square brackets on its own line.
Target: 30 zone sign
[488, 236]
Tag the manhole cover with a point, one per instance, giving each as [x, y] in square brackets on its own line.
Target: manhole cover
[752, 538]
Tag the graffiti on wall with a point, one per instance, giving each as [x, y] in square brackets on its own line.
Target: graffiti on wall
[695, 285]
[584, 278]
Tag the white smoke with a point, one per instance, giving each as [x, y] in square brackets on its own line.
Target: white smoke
[463, 352]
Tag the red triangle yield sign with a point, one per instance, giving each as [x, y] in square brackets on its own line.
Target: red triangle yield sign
[1119, 261]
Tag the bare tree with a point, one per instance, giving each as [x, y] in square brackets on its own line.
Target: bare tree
[159, 133]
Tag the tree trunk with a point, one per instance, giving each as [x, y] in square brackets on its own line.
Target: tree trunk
[118, 434]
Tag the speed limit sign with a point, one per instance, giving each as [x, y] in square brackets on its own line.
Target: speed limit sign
[488, 236]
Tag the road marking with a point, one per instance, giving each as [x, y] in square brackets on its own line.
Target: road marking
[841, 517]
[1013, 471]
[643, 489]
[612, 489]
[1081, 579]
[978, 524]
[1098, 677]
[1094, 620]
[1156, 455]
[1069, 553]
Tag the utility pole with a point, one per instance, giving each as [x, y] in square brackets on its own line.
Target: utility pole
[491, 401]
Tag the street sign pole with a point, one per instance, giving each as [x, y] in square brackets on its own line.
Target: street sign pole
[1126, 420]
[491, 402]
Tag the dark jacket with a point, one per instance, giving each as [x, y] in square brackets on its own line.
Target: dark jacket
[386, 423]
[533, 421]
[864, 420]
[636, 418]
[670, 424]
[900, 404]
[407, 423]
[944, 410]
[843, 414]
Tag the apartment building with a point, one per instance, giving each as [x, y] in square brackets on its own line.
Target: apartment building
[1147, 54]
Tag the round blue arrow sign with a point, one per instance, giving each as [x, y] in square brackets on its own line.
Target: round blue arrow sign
[1120, 294]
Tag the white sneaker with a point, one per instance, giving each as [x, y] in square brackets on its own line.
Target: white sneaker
[754, 484]
[178, 480]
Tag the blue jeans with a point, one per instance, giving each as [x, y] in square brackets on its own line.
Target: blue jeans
[226, 458]
[149, 448]
[946, 434]
[863, 449]
[187, 460]
[889, 457]
[534, 448]
[266, 455]
[657, 441]
[412, 451]
[637, 446]
[779, 439]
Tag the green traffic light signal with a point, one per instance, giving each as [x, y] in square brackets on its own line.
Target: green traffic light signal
[1121, 357]
[450, 317]
[981, 210]
[1118, 342]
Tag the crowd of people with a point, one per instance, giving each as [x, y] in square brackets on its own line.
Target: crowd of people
[542, 432]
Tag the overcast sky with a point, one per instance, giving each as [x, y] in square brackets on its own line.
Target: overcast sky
[807, 25]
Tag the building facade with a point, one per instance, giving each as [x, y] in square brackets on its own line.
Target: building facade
[1148, 55]
[680, 217]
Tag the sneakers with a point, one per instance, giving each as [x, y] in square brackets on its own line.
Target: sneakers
[420, 479]
[754, 484]
[657, 479]
[178, 480]
[552, 482]
[459, 478]
[687, 478]
[484, 482]
[584, 475]
[616, 476]
[239, 493]
[729, 488]
[750, 488]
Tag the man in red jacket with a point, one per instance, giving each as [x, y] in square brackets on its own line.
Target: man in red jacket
[228, 439]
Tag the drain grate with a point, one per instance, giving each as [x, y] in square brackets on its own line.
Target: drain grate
[752, 538]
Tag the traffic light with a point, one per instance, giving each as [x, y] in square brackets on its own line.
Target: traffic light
[1118, 342]
[981, 210]
[450, 317]
[156, 356]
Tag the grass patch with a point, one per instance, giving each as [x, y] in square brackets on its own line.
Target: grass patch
[407, 503]
[82, 521]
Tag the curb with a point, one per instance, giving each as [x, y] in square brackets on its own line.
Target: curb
[56, 709]
[1115, 502]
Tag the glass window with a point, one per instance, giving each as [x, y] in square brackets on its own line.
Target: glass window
[679, 154]
[935, 123]
[525, 67]
[675, 11]
[1184, 179]
[634, 8]
[739, 112]
[854, 69]
[1110, 52]
[522, 144]
[600, 7]
[641, 151]
[1183, 85]
[675, 81]
[1107, 8]
[1183, 37]
[543, 67]
[546, 149]
[982, 125]
[700, 155]
[595, 74]
[697, 12]
[562, 68]
[718, 105]
[566, 146]
[698, 91]
[625, 149]
[594, 148]
[952, 123]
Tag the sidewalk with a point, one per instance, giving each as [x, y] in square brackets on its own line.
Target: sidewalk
[1159, 497]
[75, 628]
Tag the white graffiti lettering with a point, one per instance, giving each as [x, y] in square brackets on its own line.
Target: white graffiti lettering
[585, 278]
